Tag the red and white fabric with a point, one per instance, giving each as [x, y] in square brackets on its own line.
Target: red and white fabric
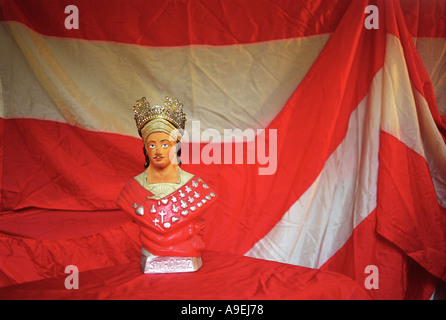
[360, 113]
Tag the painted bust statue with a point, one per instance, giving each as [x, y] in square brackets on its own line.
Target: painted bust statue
[166, 201]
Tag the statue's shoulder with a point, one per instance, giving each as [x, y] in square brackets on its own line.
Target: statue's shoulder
[140, 178]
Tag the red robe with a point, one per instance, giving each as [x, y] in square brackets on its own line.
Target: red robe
[173, 225]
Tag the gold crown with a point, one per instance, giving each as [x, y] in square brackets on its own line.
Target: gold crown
[171, 110]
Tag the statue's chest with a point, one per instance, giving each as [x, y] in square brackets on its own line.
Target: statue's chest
[185, 204]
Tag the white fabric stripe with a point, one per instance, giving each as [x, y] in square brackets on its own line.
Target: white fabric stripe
[95, 84]
[407, 117]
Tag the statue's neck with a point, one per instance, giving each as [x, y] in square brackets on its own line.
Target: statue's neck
[169, 174]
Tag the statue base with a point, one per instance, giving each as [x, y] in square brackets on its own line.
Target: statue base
[167, 264]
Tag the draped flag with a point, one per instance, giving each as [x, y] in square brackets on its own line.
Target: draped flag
[320, 124]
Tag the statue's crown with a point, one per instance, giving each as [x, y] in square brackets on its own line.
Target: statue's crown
[171, 110]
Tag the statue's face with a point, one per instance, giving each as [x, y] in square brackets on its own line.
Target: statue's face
[158, 146]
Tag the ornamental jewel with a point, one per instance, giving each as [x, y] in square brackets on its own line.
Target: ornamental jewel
[171, 110]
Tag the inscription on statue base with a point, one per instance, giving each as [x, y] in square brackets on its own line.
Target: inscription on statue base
[164, 264]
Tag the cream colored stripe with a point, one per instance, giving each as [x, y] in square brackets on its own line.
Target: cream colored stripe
[2, 105]
[432, 52]
[406, 116]
[95, 84]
